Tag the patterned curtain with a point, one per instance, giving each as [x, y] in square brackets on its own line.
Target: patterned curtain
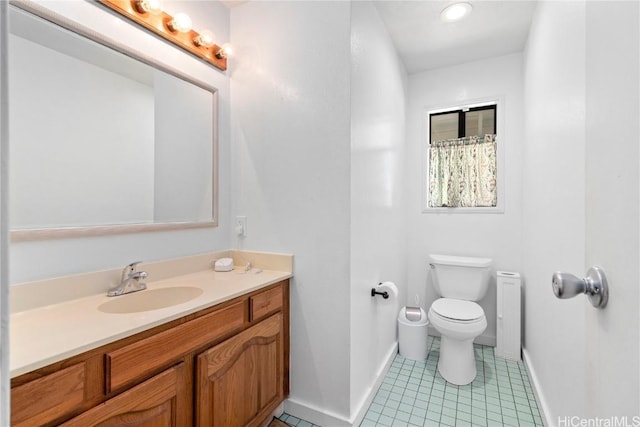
[462, 172]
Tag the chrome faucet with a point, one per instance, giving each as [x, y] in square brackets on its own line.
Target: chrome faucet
[130, 281]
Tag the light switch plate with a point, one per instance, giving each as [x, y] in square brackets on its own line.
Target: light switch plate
[241, 226]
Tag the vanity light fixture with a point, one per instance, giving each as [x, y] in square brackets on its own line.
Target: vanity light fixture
[455, 12]
[225, 51]
[180, 22]
[205, 38]
[176, 28]
[148, 6]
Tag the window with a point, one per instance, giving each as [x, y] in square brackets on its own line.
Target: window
[477, 121]
[462, 158]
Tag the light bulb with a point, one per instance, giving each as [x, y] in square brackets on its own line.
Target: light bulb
[205, 39]
[148, 6]
[455, 12]
[180, 22]
[225, 51]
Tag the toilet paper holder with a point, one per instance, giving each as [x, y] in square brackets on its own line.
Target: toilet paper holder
[384, 294]
[594, 286]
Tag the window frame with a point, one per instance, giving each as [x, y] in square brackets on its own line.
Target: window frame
[499, 102]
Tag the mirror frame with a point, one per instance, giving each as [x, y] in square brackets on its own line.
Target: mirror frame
[22, 235]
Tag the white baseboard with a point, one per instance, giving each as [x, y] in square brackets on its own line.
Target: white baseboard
[321, 417]
[313, 414]
[371, 392]
[537, 390]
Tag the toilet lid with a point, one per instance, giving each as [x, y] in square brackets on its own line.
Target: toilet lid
[457, 309]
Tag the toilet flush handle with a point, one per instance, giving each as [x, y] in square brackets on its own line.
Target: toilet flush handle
[595, 286]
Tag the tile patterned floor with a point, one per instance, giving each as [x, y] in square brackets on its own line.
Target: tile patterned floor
[296, 422]
[415, 394]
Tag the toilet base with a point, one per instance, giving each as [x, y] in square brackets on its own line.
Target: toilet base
[457, 363]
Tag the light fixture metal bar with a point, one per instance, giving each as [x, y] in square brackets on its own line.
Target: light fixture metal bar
[158, 25]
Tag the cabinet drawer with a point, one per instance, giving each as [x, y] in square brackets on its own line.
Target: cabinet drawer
[45, 399]
[265, 303]
[134, 361]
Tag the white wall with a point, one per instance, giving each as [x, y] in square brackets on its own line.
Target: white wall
[378, 231]
[554, 216]
[493, 235]
[52, 258]
[291, 172]
[583, 102]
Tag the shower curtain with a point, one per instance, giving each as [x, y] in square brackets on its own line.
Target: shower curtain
[462, 172]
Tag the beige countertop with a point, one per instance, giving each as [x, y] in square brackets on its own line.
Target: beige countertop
[51, 333]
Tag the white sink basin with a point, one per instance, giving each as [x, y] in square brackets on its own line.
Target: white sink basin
[150, 299]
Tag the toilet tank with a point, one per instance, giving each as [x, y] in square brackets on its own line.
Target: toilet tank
[459, 277]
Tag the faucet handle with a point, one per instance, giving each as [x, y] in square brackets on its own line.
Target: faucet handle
[132, 266]
[129, 269]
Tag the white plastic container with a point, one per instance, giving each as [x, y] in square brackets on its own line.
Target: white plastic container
[412, 336]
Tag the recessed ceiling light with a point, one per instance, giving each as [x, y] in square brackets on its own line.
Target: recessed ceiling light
[455, 12]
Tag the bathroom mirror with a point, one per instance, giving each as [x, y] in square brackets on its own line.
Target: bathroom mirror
[103, 140]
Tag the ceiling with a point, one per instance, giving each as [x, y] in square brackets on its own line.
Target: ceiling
[424, 42]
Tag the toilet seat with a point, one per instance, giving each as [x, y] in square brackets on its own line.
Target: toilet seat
[457, 310]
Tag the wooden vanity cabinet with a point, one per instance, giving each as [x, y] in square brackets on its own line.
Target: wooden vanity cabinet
[223, 366]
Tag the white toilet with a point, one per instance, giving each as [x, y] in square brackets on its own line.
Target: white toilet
[459, 281]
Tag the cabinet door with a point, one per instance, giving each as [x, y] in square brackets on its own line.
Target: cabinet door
[154, 403]
[239, 382]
